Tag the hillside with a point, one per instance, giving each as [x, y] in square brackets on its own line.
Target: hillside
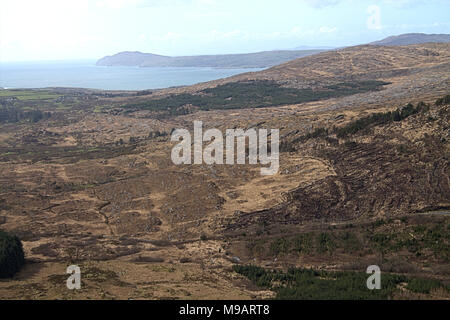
[249, 60]
[412, 38]
[360, 62]
[128, 58]
[409, 69]
[87, 178]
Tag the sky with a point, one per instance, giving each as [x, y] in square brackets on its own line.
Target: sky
[33, 30]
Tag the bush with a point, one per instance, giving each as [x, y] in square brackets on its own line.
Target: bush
[381, 118]
[325, 243]
[350, 242]
[303, 243]
[423, 285]
[318, 132]
[279, 247]
[12, 257]
[443, 100]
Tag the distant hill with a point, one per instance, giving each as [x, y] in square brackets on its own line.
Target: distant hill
[412, 38]
[359, 63]
[262, 59]
[128, 58]
[249, 60]
[314, 48]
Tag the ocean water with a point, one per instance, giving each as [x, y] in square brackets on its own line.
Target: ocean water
[85, 74]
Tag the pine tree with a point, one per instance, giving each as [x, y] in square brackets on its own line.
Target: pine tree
[12, 257]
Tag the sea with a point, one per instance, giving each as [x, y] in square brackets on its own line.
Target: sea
[85, 74]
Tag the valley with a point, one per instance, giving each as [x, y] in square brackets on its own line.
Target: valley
[87, 179]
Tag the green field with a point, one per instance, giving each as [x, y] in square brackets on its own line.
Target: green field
[25, 95]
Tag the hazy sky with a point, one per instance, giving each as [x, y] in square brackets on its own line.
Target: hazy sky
[89, 29]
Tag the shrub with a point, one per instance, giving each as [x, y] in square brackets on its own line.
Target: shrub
[378, 223]
[423, 285]
[443, 100]
[303, 243]
[318, 132]
[350, 242]
[325, 243]
[12, 257]
[350, 144]
[279, 246]
[380, 118]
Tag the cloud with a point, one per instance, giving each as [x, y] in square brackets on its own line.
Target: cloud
[393, 3]
[322, 3]
[410, 3]
[232, 34]
[239, 35]
[120, 4]
[327, 29]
